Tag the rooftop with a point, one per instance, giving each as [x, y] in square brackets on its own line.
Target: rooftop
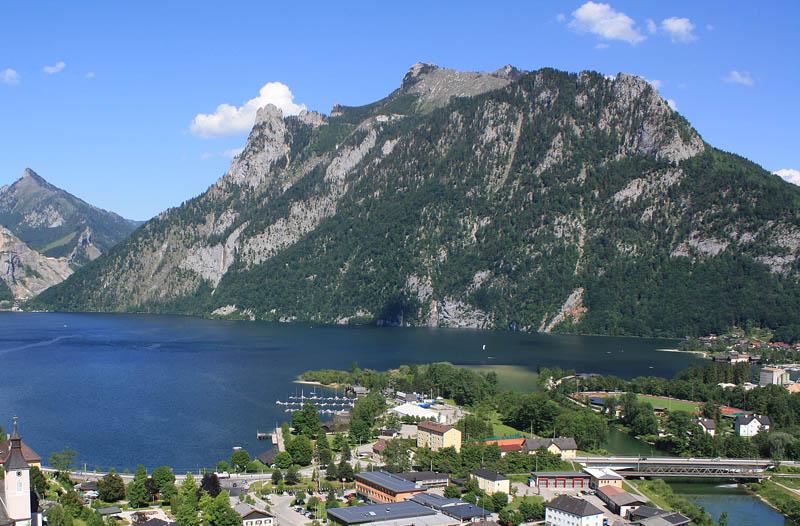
[563, 443]
[388, 481]
[603, 473]
[565, 474]
[435, 427]
[380, 512]
[574, 506]
[619, 496]
[417, 476]
[489, 475]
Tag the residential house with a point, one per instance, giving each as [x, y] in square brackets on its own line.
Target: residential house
[708, 426]
[491, 482]
[508, 445]
[619, 501]
[751, 425]
[565, 447]
[565, 510]
[252, 516]
[381, 486]
[436, 436]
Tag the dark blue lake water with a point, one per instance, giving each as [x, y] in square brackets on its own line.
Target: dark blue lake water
[129, 389]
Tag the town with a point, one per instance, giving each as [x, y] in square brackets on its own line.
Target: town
[440, 445]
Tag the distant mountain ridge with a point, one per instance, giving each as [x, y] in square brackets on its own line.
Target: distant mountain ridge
[542, 200]
[46, 232]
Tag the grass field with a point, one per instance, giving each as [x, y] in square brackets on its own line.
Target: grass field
[657, 402]
[499, 429]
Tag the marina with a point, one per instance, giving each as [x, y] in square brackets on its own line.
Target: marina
[325, 404]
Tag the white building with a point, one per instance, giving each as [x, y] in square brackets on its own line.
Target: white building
[15, 491]
[572, 511]
[773, 376]
[252, 516]
[415, 411]
[708, 426]
[750, 425]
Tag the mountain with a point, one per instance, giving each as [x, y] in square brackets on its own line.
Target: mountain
[58, 224]
[46, 232]
[539, 200]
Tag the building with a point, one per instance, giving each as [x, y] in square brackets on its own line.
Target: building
[427, 479]
[381, 486]
[507, 445]
[733, 357]
[436, 436]
[252, 516]
[565, 447]
[456, 508]
[15, 491]
[773, 376]
[604, 477]
[651, 516]
[31, 457]
[491, 482]
[406, 513]
[751, 425]
[412, 410]
[708, 426]
[619, 501]
[559, 479]
[572, 511]
[268, 457]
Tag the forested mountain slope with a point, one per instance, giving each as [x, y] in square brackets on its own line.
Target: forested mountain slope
[543, 200]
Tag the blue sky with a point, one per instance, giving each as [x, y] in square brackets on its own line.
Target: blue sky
[100, 97]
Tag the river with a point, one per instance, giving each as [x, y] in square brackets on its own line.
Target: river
[743, 509]
[129, 389]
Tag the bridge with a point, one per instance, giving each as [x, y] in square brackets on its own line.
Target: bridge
[738, 468]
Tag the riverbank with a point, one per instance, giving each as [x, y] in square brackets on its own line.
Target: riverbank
[778, 496]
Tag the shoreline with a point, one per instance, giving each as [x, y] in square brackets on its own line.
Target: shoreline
[314, 382]
[703, 354]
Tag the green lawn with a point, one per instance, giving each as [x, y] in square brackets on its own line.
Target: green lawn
[499, 429]
[657, 402]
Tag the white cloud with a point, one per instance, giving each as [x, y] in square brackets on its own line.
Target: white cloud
[560, 17]
[55, 68]
[678, 29]
[602, 20]
[739, 77]
[232, 120]
[651, 26]
[672, 104]
[655, 83]
[9, 76]
[789, 174]
[230, 153]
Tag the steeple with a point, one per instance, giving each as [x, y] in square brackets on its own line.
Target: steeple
[15, 460]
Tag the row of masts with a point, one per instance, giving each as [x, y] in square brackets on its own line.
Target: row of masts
[325, 404]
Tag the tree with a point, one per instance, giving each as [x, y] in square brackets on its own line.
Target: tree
[239, 460]
[283, 460]
[186, 505]
[397, 456]
[499, 500]
[345, 470]
[164, 479]
[277, 477]
[510, 517]
[531, 510]
[94, 519]
[38, 481]
[306, 421]
[292, 476]
[223, 466]
[312, 503]
[111, 487]
[56, 516]
[446, 460]
[331, 501]
[301, 450]
[452, 492]
[138, 495]
[71, 502]
[210, 484]
[340, 442]
[474, 426]
[63, 460]
[217, 511]
[360, 430]
[322, 450]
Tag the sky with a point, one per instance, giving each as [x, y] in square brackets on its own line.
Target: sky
[138, 106]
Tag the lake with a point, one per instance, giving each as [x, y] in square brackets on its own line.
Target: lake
[129, 389]
[743, 509]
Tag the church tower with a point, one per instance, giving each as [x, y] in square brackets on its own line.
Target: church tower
[17, 483]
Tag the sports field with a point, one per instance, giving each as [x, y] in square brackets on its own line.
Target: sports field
[670, 404]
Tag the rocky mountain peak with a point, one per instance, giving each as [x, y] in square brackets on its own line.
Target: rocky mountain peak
[435, 86]
[268, 113]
